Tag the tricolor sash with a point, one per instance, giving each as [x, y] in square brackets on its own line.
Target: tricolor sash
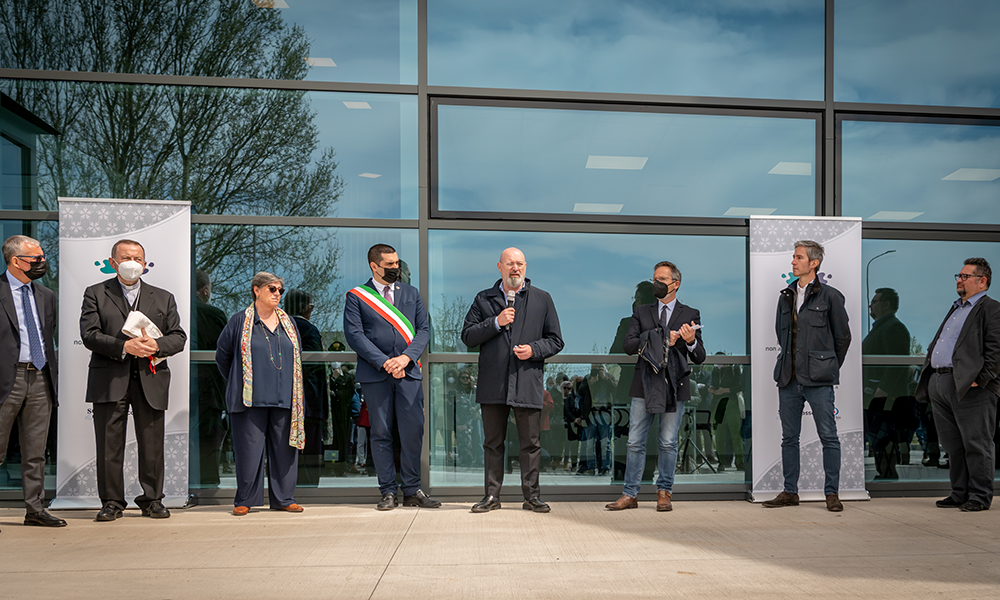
[386, 310]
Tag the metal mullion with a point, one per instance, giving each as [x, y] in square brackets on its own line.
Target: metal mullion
[423, 214]
[219, 82]
[732, 227]
[621, 359]
[464, 94]
[880, 111]
[280, 220]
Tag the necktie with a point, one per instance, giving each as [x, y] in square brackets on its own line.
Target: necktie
[34, 342]
[385, 294]
[666, 335]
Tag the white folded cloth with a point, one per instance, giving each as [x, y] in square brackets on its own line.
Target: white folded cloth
[134, 325]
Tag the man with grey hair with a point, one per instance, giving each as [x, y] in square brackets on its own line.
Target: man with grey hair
[27, 368]
[125, 378]
[814, 334]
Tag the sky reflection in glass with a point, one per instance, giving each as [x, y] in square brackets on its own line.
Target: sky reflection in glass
[527, 160]
[921, 172]
[917, 52]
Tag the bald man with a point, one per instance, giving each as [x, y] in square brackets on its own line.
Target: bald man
[516, 328]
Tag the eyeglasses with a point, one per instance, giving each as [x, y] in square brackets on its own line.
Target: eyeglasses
[275, 289]
[965, 276]
[31, 257]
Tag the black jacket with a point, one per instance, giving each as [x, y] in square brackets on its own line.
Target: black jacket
[888, 337]
[503, 378]
[101, 320]
[977, 351]
[646, 319]
[814, 340]
[10, 335]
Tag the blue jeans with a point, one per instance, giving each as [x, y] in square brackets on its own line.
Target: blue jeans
[791, 401]
[602, 443]
[638, 433]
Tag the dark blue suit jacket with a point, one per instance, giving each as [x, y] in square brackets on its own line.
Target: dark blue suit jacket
[376, 341]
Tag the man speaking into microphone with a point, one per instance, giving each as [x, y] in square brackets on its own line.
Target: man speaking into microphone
[516, 328]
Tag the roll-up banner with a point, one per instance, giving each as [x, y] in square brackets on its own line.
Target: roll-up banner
[772, 242]
[88, 227]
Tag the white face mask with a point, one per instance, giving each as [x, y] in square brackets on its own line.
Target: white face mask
[130, 270]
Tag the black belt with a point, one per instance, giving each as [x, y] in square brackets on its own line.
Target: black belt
[941, 371]
[29, 366]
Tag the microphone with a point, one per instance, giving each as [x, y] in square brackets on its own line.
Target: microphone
[510, 304]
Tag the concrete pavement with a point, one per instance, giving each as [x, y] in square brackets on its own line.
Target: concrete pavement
[883, 548]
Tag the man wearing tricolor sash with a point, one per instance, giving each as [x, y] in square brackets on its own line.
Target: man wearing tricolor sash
[385, 322]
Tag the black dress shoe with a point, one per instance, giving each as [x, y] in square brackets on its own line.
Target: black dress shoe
[973, 506]
[421, 500]
[487, 504]
[109, 512]
[43, 519]
[388, 501]
[156, 510]
[535, 504]
[948, 502]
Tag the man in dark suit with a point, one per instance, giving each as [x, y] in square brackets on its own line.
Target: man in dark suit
[516, 328]
[208, 397]
[960, 378]
[27, 368]
[385, 322]
[887, 398]
[122, 377]
[665, 334]
[315, 388]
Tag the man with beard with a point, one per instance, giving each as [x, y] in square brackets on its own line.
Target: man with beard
[516, 328]
[960, 379]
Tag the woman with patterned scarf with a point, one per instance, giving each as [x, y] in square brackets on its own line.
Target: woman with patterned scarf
[260, 356]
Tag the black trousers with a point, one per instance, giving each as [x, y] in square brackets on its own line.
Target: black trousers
[529, 426]
[110, 421]
[966, 429]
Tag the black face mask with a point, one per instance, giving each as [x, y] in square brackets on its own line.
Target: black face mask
[660, 289]
[37, 270]
[390, 275]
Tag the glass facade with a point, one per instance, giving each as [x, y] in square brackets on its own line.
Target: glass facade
[502, 159]
[593, 278]
[597, 138]
[312, 40]
[738, 49]
[226, 150]
[917, 52]
[584, 442]
[921, 171]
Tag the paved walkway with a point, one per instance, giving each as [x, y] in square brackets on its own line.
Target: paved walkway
[884, 548]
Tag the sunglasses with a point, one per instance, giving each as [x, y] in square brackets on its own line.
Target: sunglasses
[275, 289]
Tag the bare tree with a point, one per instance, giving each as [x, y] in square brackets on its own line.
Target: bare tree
[226, 150]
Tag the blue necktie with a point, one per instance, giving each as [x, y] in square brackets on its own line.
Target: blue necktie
[37, 354]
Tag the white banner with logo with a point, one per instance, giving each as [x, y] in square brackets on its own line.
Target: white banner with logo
[771, 247]
[88, 228]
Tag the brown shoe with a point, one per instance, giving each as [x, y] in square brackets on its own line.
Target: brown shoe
[623, 503]
[782, 499]
[240, 511]
[293, 507]
[663, 501]
[833, 503]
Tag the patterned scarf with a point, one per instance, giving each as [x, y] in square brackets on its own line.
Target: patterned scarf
[297, 435]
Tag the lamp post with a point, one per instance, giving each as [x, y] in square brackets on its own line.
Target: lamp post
[867, 275]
